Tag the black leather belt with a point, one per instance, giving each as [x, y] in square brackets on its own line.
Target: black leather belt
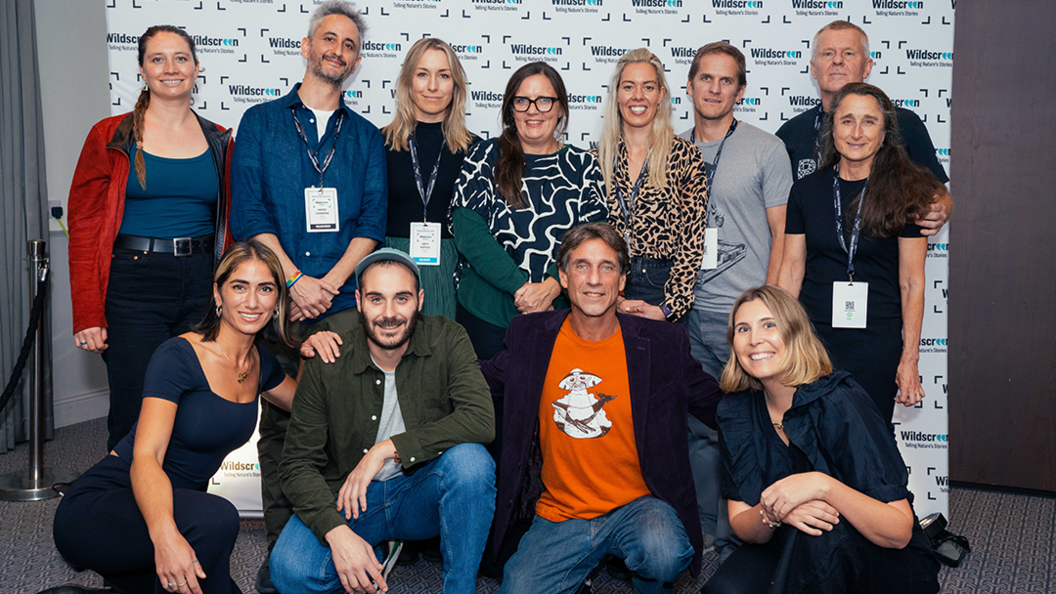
[180, 246]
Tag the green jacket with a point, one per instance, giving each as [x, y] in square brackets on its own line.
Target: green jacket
[443, 397]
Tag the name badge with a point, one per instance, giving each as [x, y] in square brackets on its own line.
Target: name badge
[711, 249]
[849, 304]
[425, 244]
[320, 209]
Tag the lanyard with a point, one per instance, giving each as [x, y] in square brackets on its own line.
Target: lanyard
[627, 206]
[713, 167]
[818, 117]
[333, 148]
[426, 192]
[856, 230]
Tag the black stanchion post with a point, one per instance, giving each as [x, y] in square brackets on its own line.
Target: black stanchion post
[36, 484]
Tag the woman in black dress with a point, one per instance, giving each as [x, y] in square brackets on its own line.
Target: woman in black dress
[813, 479]
[853, 255]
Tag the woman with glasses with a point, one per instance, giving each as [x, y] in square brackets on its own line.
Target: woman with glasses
[517, 196]
[657, 189]
[424, 148]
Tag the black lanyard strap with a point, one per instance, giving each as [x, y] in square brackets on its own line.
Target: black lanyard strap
[713, 168]
[311, 155]
[425, 191]
[627, 206]
[856, 230]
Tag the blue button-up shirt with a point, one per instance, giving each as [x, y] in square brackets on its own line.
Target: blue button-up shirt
[271, 168]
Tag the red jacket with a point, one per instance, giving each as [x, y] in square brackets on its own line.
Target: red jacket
[97, 202]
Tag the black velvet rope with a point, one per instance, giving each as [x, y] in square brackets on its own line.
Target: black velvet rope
[27, 342]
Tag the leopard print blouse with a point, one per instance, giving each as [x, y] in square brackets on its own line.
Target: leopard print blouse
[668, 223]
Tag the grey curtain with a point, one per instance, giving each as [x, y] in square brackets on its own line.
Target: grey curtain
[23, 207]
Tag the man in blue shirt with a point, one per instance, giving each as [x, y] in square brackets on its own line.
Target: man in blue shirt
[308, 180]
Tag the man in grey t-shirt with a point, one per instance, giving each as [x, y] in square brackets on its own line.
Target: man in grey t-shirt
[749, 177]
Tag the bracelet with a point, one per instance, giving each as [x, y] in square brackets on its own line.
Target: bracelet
[768, 522]
[293, 279]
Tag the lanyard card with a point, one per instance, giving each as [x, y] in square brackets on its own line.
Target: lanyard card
[711, 249]
[320, 206]
[849, 304]
[425, 244]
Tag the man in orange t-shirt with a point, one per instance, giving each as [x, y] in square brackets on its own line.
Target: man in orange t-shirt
[595, 454]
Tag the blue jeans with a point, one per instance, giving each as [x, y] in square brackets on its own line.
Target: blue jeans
[646, 279]
[556, 557]
[453, 496]
[709, 346]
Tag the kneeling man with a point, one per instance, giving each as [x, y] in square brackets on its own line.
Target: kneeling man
[392, 429]
[600, 399]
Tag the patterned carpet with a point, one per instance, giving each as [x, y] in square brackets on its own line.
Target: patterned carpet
[1013, 537]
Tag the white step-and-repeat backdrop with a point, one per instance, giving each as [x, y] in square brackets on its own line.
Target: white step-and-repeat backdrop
[249, 51]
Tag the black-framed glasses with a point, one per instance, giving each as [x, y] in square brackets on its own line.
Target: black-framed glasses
[543, 104]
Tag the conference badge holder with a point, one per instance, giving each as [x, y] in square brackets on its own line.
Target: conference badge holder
[320, 205]
[425, 244]
[849, 303]
[711, 249]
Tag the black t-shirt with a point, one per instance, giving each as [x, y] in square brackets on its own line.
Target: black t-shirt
[799, 138]
[405, 203]
[811, 211]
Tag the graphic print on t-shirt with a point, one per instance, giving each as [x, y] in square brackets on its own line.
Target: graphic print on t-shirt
[579, 413]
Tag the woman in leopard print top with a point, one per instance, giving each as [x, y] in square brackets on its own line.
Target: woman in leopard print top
[656, 187]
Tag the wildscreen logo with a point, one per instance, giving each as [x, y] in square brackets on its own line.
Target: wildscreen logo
[486, 99]
[214, 45]
[932, 345]
[250, 94]
[285, 46]
[815, 4]
[468, 52]
[906, 102]
[926, 58]
[373, 49]
[353, 95]
[587, 102]
[896, 5]
[736, 4]
[656, 3]
[938, 250]
[683, 55]
[922, 440]
[765, 56]
[496, 4]
[524, 52]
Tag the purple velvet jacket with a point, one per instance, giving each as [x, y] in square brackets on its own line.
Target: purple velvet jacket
[666, 384]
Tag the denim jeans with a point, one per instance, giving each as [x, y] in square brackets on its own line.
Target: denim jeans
[453, 496]
[647, 279]
[556, 557]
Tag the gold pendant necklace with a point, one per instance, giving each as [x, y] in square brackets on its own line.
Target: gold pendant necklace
[242, 375]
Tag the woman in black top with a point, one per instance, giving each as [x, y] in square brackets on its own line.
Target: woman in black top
[141, 517]
[813, 479]
[427, 138]
[853, 219]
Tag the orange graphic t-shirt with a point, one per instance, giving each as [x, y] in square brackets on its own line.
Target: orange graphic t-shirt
[586, 433]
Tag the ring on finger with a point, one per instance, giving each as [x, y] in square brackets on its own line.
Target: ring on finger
[181, 585]
[171, 585]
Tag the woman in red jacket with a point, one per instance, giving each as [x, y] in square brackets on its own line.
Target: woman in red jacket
[148, 222]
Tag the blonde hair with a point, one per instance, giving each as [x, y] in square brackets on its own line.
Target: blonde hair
[456, 136]
[612, 126]
[805, 359]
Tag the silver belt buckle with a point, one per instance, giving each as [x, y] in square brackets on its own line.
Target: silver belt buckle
[181, 246]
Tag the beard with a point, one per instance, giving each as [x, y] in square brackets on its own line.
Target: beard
[335, 79]
[389, 344]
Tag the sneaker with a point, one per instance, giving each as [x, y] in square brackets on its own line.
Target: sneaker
[709, 544]
[263, 583]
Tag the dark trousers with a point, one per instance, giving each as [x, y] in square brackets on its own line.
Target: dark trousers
[150, 298]
[98, 526]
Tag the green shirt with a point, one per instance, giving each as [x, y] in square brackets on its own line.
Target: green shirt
[443, 396]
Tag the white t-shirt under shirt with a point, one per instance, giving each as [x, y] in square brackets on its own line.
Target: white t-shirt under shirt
[322, 118]
[391, 424]
[753, 174]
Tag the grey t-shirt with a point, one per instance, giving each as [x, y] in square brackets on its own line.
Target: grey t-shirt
[391, 424]
[753, 174]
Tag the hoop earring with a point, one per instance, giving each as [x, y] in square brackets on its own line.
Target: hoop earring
[219, 310]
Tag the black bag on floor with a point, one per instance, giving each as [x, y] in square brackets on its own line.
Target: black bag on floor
[950, 548]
